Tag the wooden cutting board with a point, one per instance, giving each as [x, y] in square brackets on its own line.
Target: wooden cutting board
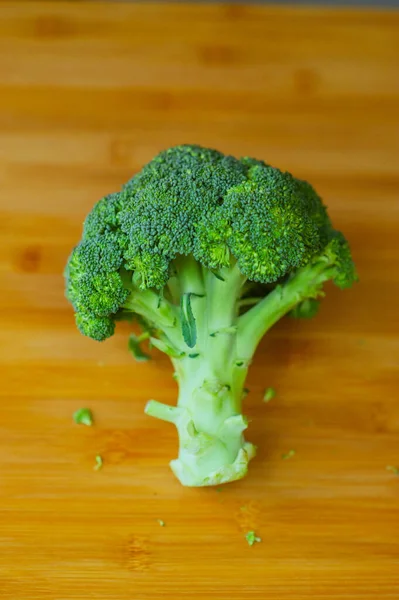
[90, 92]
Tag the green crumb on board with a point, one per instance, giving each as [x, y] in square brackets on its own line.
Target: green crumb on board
[161, 523]
[269, 394]
[392, 469]
[252, 538]
[83, 416]
[288, 454]
[99, 463]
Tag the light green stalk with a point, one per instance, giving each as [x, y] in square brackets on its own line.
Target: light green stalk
[208, 418]
[211, 374]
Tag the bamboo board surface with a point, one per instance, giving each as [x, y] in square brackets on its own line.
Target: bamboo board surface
[88, 93]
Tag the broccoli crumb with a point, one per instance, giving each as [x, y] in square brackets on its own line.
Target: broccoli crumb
[99, 463]
[288, 454]
[392, 469]
[83, 416]
[161, 523]
[252, 538]
[269, 394]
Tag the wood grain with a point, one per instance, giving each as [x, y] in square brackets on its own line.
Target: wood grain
[88, 93]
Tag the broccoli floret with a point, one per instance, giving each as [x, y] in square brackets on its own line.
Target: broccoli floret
[206, 252]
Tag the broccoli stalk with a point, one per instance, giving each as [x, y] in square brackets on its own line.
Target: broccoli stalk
[211, 372]
[210, 376]
[207, 252]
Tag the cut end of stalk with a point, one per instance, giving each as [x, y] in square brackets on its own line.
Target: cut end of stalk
[190, 476]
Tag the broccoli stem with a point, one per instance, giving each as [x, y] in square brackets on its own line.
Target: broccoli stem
[189, 275]
[211, 374]
[212, 448]
[253, 325]
[162, 411]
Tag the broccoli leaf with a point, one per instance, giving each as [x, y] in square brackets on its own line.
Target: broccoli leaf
[188, 325]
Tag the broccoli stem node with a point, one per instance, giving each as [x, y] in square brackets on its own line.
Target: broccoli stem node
[162, 411]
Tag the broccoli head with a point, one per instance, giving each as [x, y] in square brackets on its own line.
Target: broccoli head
[206, 252]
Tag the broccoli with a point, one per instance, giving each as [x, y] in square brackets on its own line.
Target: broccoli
[206, 252]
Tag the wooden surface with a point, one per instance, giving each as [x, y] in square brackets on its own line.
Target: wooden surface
[88, 93]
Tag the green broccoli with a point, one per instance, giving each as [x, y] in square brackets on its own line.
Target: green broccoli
[206, 252]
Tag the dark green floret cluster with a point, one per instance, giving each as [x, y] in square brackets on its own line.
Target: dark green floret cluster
[206, 252]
